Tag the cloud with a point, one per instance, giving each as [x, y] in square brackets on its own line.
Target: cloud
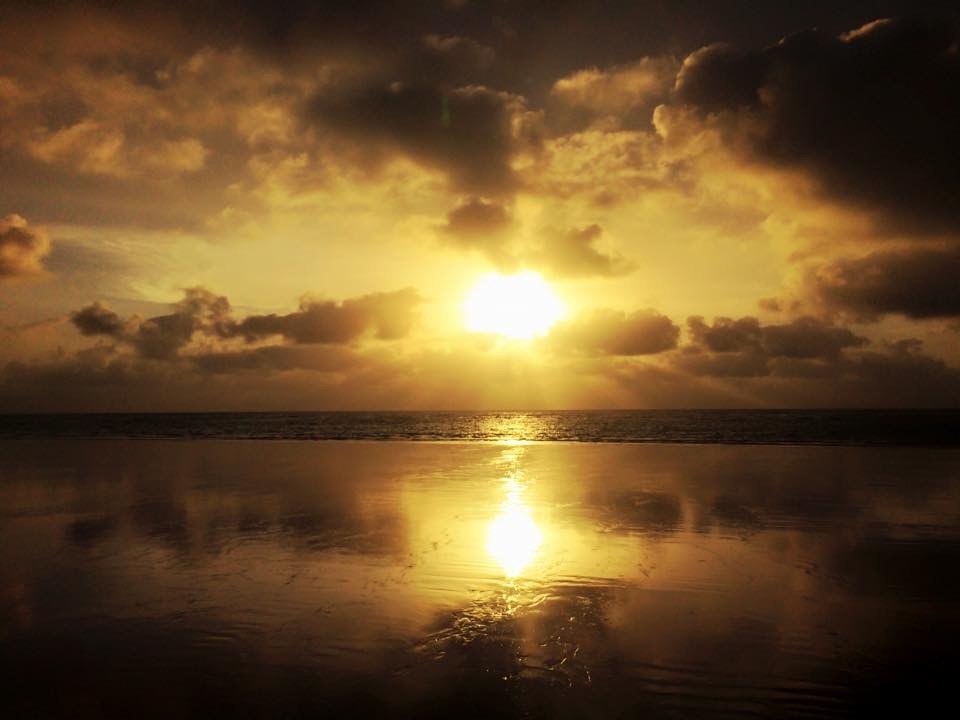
[805, 337]
[389, 316]
[726, 334]
[471, 133]
[163, 336]
[203, 314]
[477, 217]
[609, 332]
[139, 129]
[97, 148]
[916, 283]
[452, 57]
[200, 311]
[607, 167]
[482, 225]
[745, 348]
[870, 115]
[902, 376]
[485, 226]
[573, 254]
[97, 319]
[22, 248]
[624, 95]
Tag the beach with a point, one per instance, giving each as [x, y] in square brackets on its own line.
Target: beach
[167, 578]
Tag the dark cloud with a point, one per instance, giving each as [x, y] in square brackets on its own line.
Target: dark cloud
[902, 376]
[918, 284]
[745, 348]
[895, 375]
[631, 511]
[22, 248]
[199, 311]
[531, 33]
[481, 225]
[574, 254]
[477, 217]
[97, 319]
[802, 338]
[453, 58]
[609, 332]
[807, 338]
[388, 316]
[870, 114]
[726, 334]
[163, 336]
[470, 133]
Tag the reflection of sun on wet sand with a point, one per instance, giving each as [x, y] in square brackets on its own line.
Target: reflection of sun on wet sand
[513, 538]
[513, 541]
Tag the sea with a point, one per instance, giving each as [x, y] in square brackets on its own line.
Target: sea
[931, 428]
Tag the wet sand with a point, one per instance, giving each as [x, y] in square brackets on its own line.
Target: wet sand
[397, 579]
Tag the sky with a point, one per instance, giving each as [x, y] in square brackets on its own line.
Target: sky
[256, 205]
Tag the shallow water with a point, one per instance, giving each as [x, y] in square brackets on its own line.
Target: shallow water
[287, 579]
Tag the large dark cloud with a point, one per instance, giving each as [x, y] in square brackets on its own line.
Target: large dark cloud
[918, 284]
[745, 348]
[903, 375]
[803, 338]
[22, 248]
[470, 133]
[870, 114]
[609, 332]
[536, 38]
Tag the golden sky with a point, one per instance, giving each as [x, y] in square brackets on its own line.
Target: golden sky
[287, 206]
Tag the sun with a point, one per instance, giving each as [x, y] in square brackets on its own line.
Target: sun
[520, 306]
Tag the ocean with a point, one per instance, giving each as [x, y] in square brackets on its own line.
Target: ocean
[478, 565]
[788, 427]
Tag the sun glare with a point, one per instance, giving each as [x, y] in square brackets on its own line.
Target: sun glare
[518, 306]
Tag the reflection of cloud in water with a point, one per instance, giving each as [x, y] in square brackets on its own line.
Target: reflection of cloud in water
[729, 513]
[87, 532]
[643, 512]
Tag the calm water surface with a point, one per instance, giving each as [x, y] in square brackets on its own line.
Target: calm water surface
[145, 578]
